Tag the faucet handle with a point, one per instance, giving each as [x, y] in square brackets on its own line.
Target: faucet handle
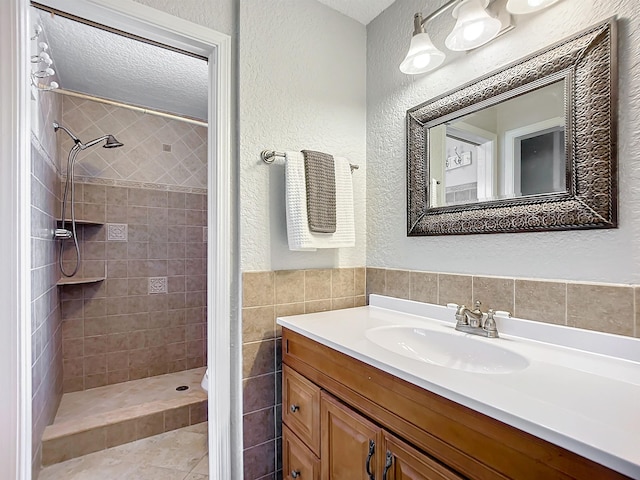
[477, 304]
[490, 325]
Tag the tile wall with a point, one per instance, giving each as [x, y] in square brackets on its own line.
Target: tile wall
[46, 321]
[148, 317]
[267, 295]
[156, 150]
[609, 308]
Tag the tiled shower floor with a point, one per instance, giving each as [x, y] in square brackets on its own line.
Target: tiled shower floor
[176, 455]
[104, 417]
[162, 388]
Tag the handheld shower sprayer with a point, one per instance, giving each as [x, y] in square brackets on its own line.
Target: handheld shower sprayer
[69, 191]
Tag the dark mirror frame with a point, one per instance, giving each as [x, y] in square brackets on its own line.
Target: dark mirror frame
[588, 63]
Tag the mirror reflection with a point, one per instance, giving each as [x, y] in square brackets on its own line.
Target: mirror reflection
[511, 149]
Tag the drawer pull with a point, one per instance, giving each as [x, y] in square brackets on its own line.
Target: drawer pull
[372, 448]
[294, 409]
[295, 473]
[387, 465]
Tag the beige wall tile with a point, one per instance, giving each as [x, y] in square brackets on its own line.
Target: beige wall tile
[541, 301]
[289, 286]
[454, 289]
[342, 282]
[360, 301]
[605, 308]
[258, 323]
[397, 283]
[340, 303]
[375, 278]
[258, 427]
[287, 310]
[317, 306]
[493, 292]
[636, 296]
[259, 460]
[258, 358]
[258, 288]
[258, 393]
[317, 284]
[424, 287]
[360, 279]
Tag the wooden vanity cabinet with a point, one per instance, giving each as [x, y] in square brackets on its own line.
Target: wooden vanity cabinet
[350, 443]
[298, 462]
[344, 404]
[403, 462]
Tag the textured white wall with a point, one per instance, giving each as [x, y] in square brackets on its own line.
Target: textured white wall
[593, 255]
[302, 86]
[214, 14]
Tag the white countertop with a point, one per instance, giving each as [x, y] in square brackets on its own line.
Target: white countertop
[581, 390]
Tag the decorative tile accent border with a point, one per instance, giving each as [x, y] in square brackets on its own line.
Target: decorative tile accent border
[109, 182]
[157, 285]
[117, 232]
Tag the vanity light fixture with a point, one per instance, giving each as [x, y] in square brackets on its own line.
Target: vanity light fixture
[474, 27]
[519, 7]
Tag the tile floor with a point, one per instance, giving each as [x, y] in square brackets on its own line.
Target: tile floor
[79, 405]
[176, 455]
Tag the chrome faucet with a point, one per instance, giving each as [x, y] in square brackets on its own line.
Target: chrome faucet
[473, 321]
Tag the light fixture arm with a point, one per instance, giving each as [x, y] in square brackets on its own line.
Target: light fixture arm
[431, 16]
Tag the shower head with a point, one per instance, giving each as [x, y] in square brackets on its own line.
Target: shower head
[112, 142]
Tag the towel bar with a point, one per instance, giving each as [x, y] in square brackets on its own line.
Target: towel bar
[268, 156]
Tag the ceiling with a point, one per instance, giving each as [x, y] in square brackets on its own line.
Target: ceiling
[103, 64]
[361, 10]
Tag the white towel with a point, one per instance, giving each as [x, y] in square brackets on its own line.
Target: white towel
[298, 233]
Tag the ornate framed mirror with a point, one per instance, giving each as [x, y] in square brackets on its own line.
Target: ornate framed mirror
[531, 147]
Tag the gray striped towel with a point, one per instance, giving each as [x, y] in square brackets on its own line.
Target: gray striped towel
[320, 180]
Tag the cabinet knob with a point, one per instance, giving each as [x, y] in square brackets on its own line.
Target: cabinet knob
[295, 473]
[294, 409]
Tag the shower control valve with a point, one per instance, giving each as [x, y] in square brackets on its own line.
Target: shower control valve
[62, 234]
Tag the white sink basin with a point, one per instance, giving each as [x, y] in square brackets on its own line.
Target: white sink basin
[451, 350]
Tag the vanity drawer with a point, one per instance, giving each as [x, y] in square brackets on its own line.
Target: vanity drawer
[301, 408]
[297, 460]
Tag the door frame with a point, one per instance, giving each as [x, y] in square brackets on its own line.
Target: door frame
[15, 162]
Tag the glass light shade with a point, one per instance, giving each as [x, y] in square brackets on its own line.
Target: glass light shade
[520, 7]
[474, 27]
[422, 56]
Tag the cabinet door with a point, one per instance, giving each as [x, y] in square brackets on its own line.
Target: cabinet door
[301, 408]
[350, 444]
[403, 462]
[298, 462]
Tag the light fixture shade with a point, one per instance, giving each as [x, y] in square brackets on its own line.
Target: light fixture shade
[520, 7]
[474, 27]
[422, 56]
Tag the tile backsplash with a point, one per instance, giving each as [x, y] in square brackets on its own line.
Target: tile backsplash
[609, 308]
[148, 317]
[267, 295]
